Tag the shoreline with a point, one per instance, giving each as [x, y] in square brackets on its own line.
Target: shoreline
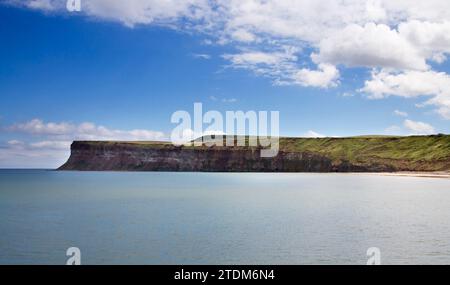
[437, 174]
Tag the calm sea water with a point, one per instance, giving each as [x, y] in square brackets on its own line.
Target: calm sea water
[199, 218]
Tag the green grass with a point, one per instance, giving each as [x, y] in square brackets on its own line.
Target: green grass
[360, 149]
[352, 149]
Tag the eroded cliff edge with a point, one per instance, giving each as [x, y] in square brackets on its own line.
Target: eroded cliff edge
[356, 154]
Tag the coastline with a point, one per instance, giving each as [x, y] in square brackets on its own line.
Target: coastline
[436, 174]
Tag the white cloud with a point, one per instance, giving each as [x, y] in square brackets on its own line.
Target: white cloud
[326, 76]
[16, 144]
[431, 38]
[89, 131]
[419, 128]
[38, 127]
[280, 66]
[439, 57]
[411, 84]
[250, 20]
[48, 144]
[84, 131]
[410, 127]
[133, 12]
[19, 154]
[243, 36]
[64, 145]
[202, 56]
[400, 113]
[254, 58]
[28, 157]
[41, 5]
[312, 134]
[370, 46]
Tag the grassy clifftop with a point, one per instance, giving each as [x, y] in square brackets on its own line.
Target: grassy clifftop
[365, 153]
[354, 149]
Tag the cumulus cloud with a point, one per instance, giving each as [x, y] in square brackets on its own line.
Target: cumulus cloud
[419, 128]
[411, 84]
[327, 75]
[370, 45]
[432, 39]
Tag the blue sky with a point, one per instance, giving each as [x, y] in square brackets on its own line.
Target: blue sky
[114, 75]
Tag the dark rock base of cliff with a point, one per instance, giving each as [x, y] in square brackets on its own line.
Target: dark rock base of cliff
[86, 156]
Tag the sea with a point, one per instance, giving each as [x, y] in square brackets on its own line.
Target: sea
[222, 218]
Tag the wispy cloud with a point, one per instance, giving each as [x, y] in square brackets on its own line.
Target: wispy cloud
[410, 127]
[412, 84]
[47, 144]
[419, 128]
[46, 5]
[201, 55]
[20, 154]
[347, 94]
[83, 131]
[400, 113]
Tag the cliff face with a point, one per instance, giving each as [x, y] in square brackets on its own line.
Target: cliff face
[358, 154]
[131, 157]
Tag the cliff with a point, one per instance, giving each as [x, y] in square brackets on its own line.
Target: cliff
[355, 154]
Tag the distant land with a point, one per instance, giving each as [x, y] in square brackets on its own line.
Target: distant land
[352, 154]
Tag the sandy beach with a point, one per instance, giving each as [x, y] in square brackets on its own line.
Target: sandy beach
[438, 174]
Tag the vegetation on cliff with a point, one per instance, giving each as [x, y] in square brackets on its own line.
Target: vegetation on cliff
[364, 153]
[366, 148]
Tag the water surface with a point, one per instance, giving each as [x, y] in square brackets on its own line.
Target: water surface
[222, 218]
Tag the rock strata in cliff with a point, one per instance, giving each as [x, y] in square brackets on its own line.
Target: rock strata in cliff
[356, 154]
